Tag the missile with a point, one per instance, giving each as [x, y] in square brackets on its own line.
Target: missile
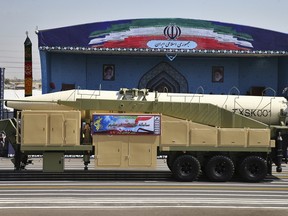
[269, 110]
[266, 109]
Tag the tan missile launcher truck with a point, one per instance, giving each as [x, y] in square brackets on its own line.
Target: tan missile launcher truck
[131, 131]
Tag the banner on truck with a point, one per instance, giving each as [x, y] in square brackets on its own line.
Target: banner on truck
[126, 124]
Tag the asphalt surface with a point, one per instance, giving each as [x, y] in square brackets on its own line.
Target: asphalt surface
[146, 212]
[141, 197]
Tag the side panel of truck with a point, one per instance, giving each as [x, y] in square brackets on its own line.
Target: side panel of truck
[50, 128]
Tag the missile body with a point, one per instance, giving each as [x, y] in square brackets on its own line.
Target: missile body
[266, 109]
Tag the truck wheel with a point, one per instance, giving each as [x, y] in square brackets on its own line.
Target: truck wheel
[170, 161]
[186, 168]
[253, 169]
[220, 168]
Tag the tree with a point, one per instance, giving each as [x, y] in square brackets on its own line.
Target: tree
[7, 81]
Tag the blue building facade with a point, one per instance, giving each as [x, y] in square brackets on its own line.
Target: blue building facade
[174, 55]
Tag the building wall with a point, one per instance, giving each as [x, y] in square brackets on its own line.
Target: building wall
[86, 71]
[283, 75]
[257, 71]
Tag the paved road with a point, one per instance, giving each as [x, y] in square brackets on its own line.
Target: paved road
[144, 197]
[145, 212]
[148, 194]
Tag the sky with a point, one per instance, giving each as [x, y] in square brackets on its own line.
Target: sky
[20, 16]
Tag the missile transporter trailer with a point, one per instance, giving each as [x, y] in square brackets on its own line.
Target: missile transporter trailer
[131, 128]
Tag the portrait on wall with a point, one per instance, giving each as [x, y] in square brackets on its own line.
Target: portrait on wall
[108, 72]
[217, 74]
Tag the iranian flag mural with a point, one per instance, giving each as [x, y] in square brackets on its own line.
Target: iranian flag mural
[161, 34]
[180, 36]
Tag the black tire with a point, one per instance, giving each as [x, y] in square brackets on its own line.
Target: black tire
[186, 168]
[253, 169]
[170, 161]
[220, 168]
